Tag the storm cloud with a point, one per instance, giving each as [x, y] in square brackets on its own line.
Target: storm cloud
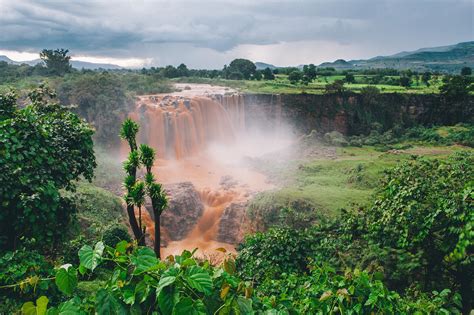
[208, 34]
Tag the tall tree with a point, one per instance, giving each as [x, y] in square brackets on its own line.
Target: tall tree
[57, 61]
[310, 72]
[426, 77]
[183, 71]
[246, 67]
[349, 78]
[136, 189]
[295, 76]
[268, 74]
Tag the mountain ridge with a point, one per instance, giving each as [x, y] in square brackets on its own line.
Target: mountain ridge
[78, 64]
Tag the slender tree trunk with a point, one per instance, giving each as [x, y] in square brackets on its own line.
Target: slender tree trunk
[157, 235]
[140, 218]
[137, 232]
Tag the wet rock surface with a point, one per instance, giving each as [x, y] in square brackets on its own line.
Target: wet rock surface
[184, 210]
[231, 223]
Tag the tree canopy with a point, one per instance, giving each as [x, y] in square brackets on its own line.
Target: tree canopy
[44, 149]
[57, 61]
[246, 67]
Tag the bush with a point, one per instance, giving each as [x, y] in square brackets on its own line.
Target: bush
[335, 138]
[324, 291]
[28, 268]
[268, 255]
[114, 234]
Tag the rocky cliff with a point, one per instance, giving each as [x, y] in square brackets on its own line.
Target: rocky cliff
[351, 113]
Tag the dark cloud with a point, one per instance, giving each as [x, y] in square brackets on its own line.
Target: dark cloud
[194, 31]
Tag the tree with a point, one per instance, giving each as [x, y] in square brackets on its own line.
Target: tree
[349, 78]
[136, 189]
[257, 76]
[466, 71]
[426, 77]
[246, 67]
[183, 70]
[310, 72]
[295, 76]
[170, 72]
[57, 61]
[335, 87]
[405, 81]
[101, 99]
[268, 74]
[455, 87]
[44, 149]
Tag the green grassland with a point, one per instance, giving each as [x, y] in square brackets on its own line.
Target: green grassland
[323, 186]
[281, 85]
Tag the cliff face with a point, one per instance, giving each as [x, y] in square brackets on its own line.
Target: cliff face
[352, 113]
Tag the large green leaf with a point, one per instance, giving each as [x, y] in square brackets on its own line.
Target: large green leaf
[29, 308]
[164, 282]
[90, 257]
[167, 299]
[245, 305]
[199, 279]
[144, 260]
[186, 306]
[66, 279]
[107, 304]
[70, 307]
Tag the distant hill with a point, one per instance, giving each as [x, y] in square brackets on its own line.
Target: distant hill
[90, 65]
[444, 58]
[75, 64]
[263, 65]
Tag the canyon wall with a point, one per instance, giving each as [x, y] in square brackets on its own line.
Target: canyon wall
[352, 113]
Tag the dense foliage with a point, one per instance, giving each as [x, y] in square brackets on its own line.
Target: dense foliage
[44, 149]
[417, 235]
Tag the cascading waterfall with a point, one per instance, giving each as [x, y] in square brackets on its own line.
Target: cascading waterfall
[181, 129]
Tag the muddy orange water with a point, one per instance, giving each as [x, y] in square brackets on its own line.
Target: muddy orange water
[182, 127]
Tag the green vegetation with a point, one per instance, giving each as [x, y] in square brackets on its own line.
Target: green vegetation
[137, 189]
[44, 149]
[336, 177]
[377, 223]
[287, 270]
[56, 61]
[416, 234]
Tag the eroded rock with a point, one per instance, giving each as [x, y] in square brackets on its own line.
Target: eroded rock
[231, 223]
[184, 210]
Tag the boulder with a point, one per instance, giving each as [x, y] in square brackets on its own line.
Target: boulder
[231, 223]
[183, 211]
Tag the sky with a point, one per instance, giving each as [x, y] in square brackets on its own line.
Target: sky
[211, 33]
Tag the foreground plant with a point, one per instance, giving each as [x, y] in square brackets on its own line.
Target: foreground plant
[141, 284]
[137, 190]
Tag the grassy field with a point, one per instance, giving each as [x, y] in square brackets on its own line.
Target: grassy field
[281, 85]
[325, 185]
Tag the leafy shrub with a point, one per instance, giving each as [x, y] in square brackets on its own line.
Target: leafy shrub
[335, 138]
[268, 255]
[270, 209]
[141, 283]
[45, 148]
[25, 268]
[324, 291]
[114, 234]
